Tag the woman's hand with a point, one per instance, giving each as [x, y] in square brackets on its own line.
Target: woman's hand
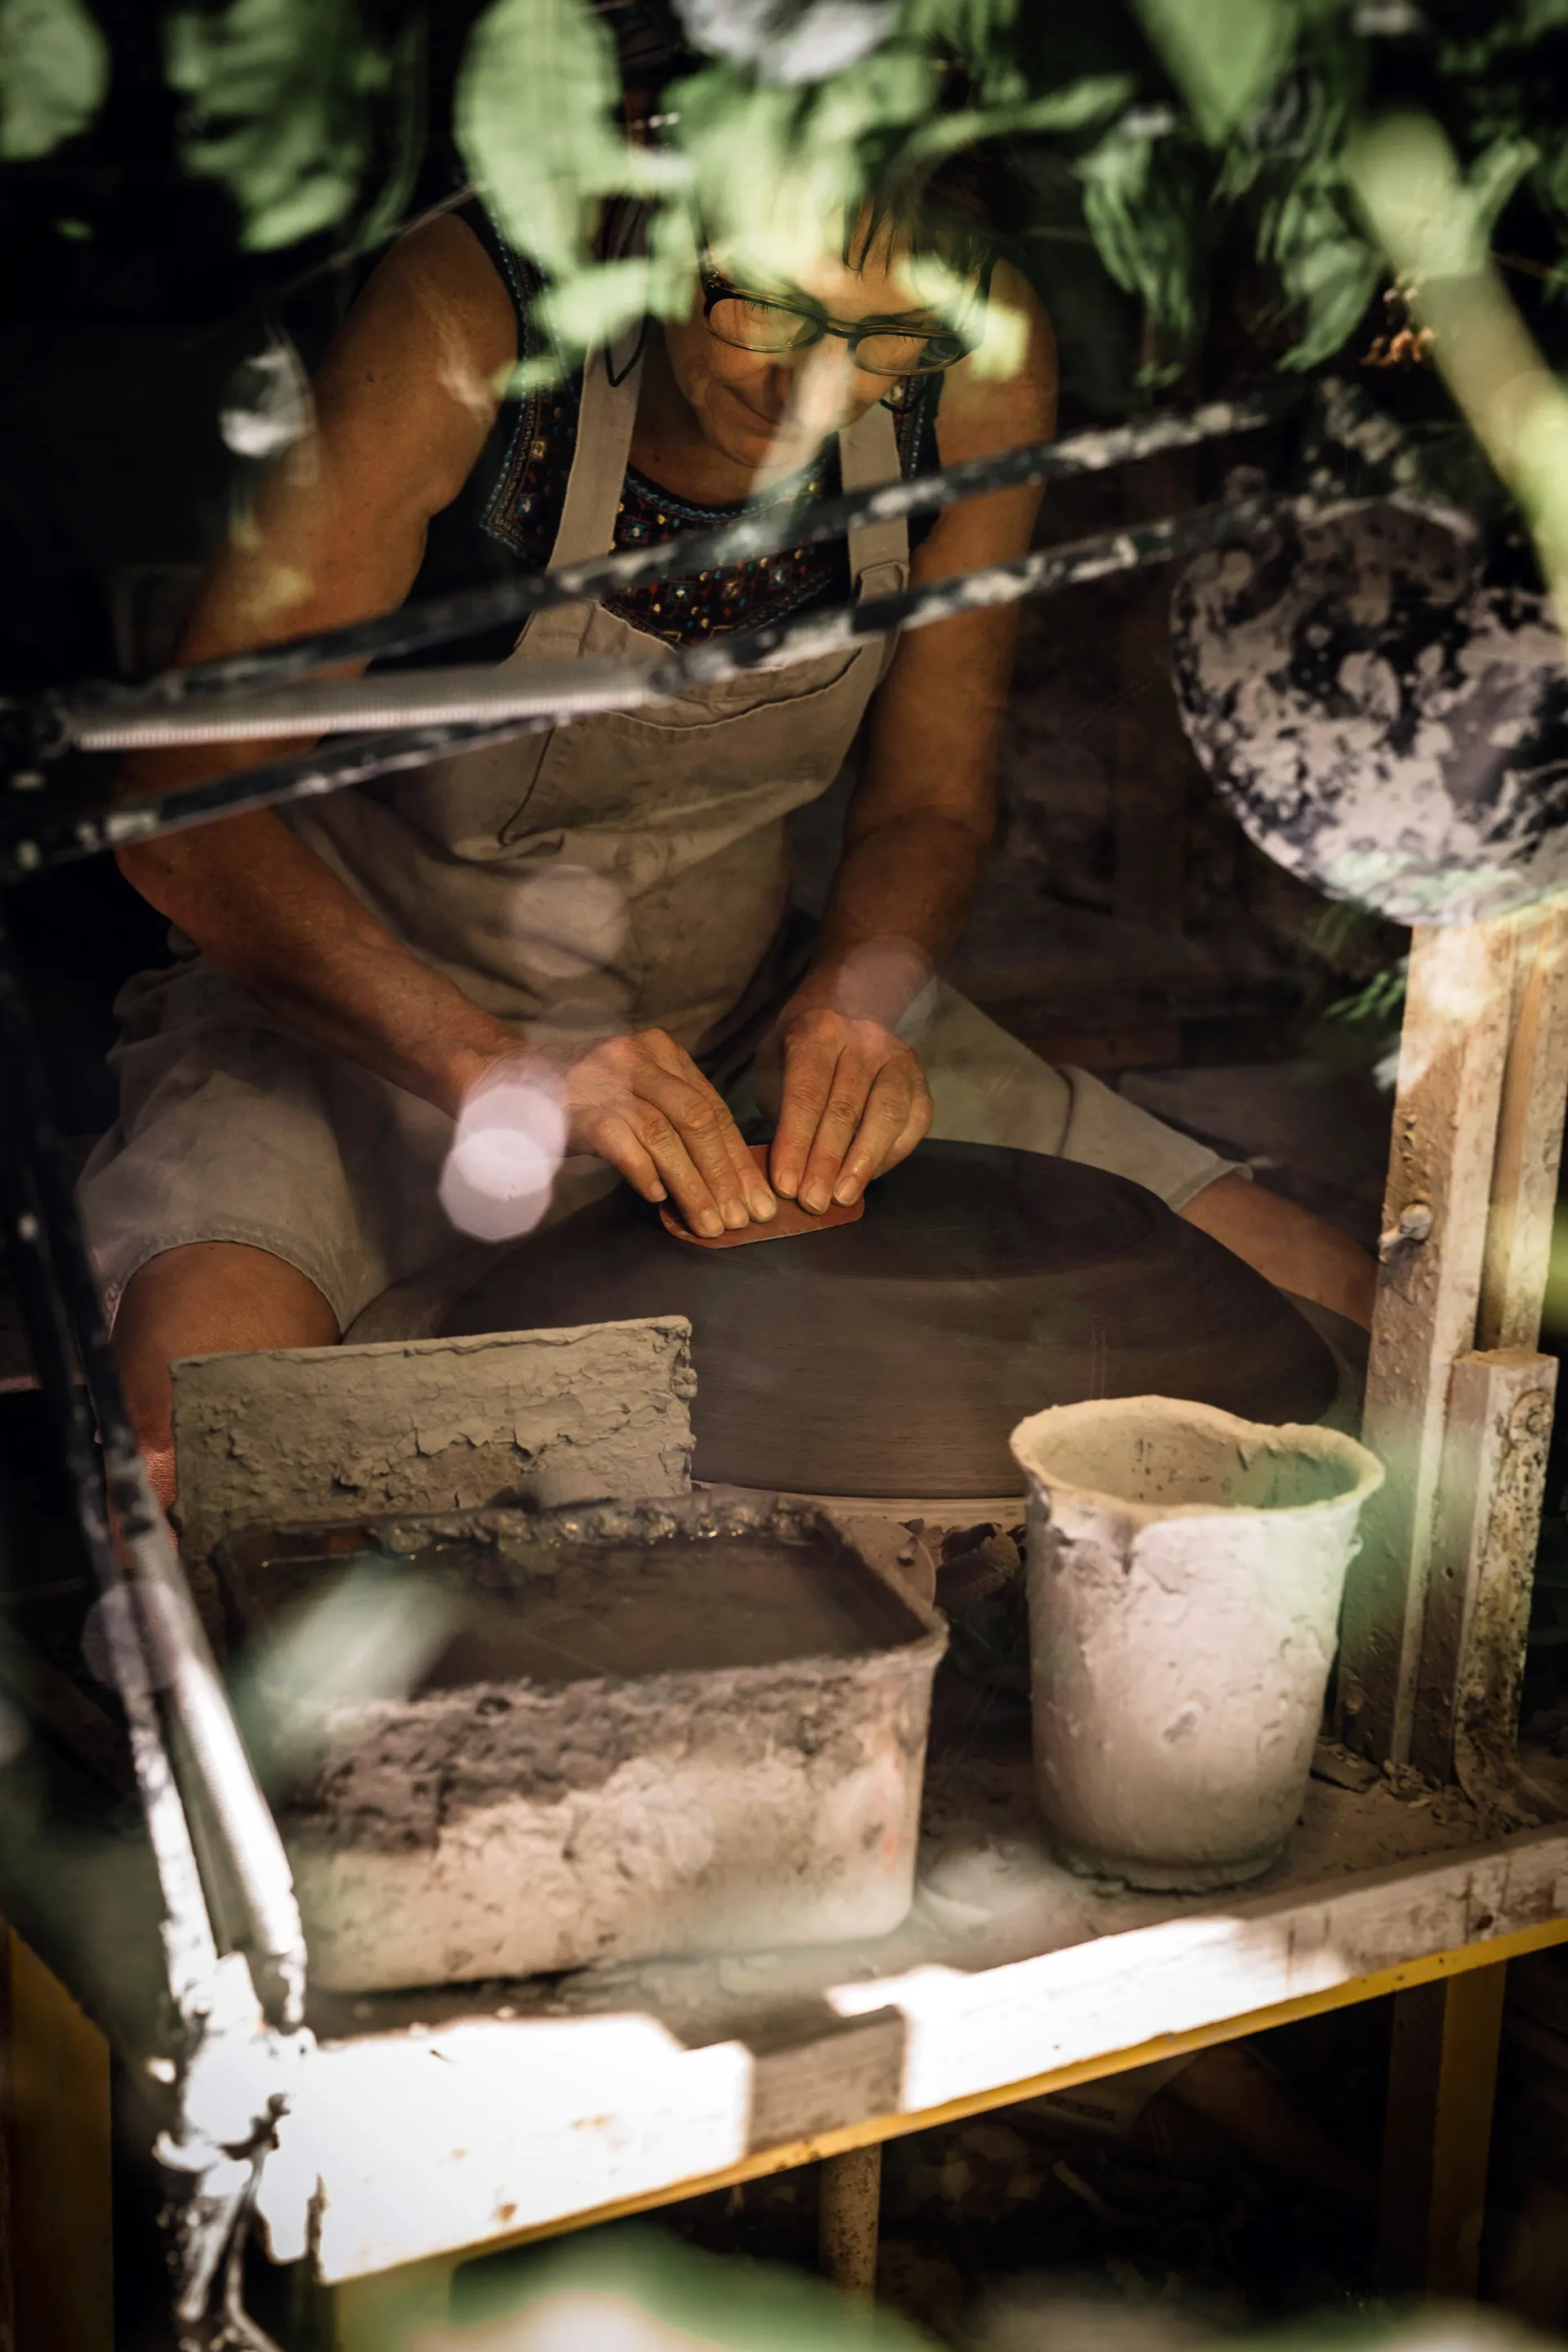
[641, 1103]
[850, 1099]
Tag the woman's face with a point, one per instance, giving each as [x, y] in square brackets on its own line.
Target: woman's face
[772, 412]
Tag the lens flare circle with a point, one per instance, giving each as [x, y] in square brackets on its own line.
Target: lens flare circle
[501, 1171]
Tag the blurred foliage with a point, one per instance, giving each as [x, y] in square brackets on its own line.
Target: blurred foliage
[54, 72]
[634, 2287]
[278, 109]
[1185, 162]
[536, 126]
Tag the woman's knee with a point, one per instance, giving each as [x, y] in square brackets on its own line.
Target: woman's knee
[206, 1299]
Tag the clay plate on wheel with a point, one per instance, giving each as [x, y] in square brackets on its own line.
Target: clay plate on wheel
[790, 1220]
[895, 1355]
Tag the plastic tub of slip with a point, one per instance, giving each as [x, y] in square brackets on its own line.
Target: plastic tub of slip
[503, 1742]
[1185, 1570]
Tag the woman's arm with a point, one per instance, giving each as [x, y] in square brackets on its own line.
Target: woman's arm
[853, 1100]
[403, 403]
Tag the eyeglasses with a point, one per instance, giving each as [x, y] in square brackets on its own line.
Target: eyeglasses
[754, 322]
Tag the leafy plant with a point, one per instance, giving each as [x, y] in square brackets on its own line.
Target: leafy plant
[280, 98]
[54, 73]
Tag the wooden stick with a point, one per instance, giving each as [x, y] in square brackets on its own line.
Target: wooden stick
[1498, 1428]
[1452, 1054]
[1442, 2078]
[849, 2218]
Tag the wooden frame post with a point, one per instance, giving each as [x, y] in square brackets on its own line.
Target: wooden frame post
[1442, 2079]
[1458, 1398]
[59, 2140]
[1435, 1214]
[848, 2221]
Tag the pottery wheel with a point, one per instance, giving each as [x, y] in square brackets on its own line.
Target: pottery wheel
[893, 1356]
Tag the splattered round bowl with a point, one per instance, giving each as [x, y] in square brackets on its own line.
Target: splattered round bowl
[1385, 719]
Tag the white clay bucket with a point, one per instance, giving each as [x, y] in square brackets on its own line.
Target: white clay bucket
[1185, 1570]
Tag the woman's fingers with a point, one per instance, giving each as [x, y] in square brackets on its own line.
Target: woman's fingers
[853, 1082]
[896, 1115]
[812, 1047]
[709, 1111]
[644, 1106]
[855, 1102]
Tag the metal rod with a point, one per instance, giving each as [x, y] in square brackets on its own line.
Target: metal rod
[762, 532]
[477, 695]
[110, 825]
[48, 1236]
[190, 1952]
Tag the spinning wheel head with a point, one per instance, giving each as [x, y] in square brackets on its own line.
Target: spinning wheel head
[893, 1356]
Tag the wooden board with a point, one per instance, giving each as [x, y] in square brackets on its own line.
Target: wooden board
[1530, 1139]
[1457, 1403]
[1498, 1428]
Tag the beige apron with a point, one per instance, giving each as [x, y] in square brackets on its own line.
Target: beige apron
[627, 871]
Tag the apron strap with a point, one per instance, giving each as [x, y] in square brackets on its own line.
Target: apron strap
[879, 551]
[867, 456]
[605, 417]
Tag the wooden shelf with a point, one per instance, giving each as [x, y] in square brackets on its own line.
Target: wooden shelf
[429, 2123]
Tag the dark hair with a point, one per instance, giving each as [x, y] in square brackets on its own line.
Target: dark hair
[964, 210]
[964, 204]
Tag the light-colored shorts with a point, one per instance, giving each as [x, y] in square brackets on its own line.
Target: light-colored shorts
[230, 1129]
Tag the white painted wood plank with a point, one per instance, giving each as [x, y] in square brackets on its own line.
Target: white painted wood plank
[1452, 1054]
[971, 2033]
[407, 2145]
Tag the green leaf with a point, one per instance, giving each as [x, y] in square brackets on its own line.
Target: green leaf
[535, 125]
[1142, 210]
[535, 120]
[1079, 106]
[280, 108]
[54, 71]
[1328, 272]
[1224, 55]
[774, 171]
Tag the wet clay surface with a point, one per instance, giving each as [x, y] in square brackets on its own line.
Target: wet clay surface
[561, 1648]
[549, 1612]
[893, 1356]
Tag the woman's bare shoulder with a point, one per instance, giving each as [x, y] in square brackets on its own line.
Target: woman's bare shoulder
[442, 269]
[424, 354]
